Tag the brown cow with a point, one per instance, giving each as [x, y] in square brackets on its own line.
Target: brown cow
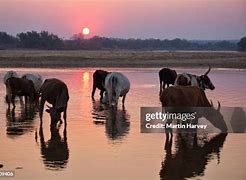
[191, 96]
[184, 96]
[55, 92]
[20, 87]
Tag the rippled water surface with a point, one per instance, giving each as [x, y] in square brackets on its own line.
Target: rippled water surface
[99, 144]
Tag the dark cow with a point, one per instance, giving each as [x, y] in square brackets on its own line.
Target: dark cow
[201, 81]
[189, 96]
[20, 87]
[98, 82]
[166, 76]
[55, 92]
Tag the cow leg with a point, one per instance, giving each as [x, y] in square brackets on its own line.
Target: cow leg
[93, 91]
[168, 142]
[164, 85]
[101, 95]
[8, 99]
[160, 88]
[123, 101]
[65, 116]
[41, 108]
[26, 99]
[169, 130]
[13, 100]
[8, 95]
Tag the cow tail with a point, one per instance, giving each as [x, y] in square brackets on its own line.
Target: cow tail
[113, 84]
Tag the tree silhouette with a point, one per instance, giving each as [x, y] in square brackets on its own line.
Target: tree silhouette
[242, 44]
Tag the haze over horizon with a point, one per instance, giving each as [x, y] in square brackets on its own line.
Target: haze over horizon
[189, 19]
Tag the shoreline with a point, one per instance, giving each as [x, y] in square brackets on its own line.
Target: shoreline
[120, 59]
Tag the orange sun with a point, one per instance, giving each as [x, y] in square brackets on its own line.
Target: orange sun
[86, 31]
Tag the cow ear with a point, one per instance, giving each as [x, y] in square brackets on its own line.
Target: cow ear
[47, 110]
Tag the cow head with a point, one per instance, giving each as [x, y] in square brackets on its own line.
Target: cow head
[55, 114]
[216, 118]
[205, 81]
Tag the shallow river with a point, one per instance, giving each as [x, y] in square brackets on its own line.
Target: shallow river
[94, 146]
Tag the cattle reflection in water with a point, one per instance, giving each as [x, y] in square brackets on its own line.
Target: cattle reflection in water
[55, 152]
[190, 159]
[116, 122]
[20, 122]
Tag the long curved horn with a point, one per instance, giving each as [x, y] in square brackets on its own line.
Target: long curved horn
[209, 69]
[219, 106]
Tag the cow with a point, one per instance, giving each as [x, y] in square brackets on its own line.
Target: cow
[20, 87]
[36, 79]
[98, 82]
[192, 96]
[116, 85]
[202, 81]
[55, 92]
[10, 74]
[166, 76]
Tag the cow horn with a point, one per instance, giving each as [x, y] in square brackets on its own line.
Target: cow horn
[48, 106]
[219, 106]
[209, 69]
[211, 103]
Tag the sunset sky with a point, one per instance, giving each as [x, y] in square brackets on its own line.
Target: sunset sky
[190, 19]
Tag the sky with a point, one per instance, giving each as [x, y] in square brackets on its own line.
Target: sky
[164, 19]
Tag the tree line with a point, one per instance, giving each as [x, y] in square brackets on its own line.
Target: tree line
[49, 41]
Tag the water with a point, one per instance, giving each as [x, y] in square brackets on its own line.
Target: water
[94, 146]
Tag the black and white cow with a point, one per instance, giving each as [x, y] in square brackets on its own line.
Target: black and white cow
[98, 82]
[166, 76]
[202, 81]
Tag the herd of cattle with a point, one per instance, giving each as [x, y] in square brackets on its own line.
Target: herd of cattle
[187, 90]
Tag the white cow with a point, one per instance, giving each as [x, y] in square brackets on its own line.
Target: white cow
[36, 79]
[116, 85]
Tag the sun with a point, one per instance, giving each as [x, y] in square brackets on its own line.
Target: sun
[86, 31]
